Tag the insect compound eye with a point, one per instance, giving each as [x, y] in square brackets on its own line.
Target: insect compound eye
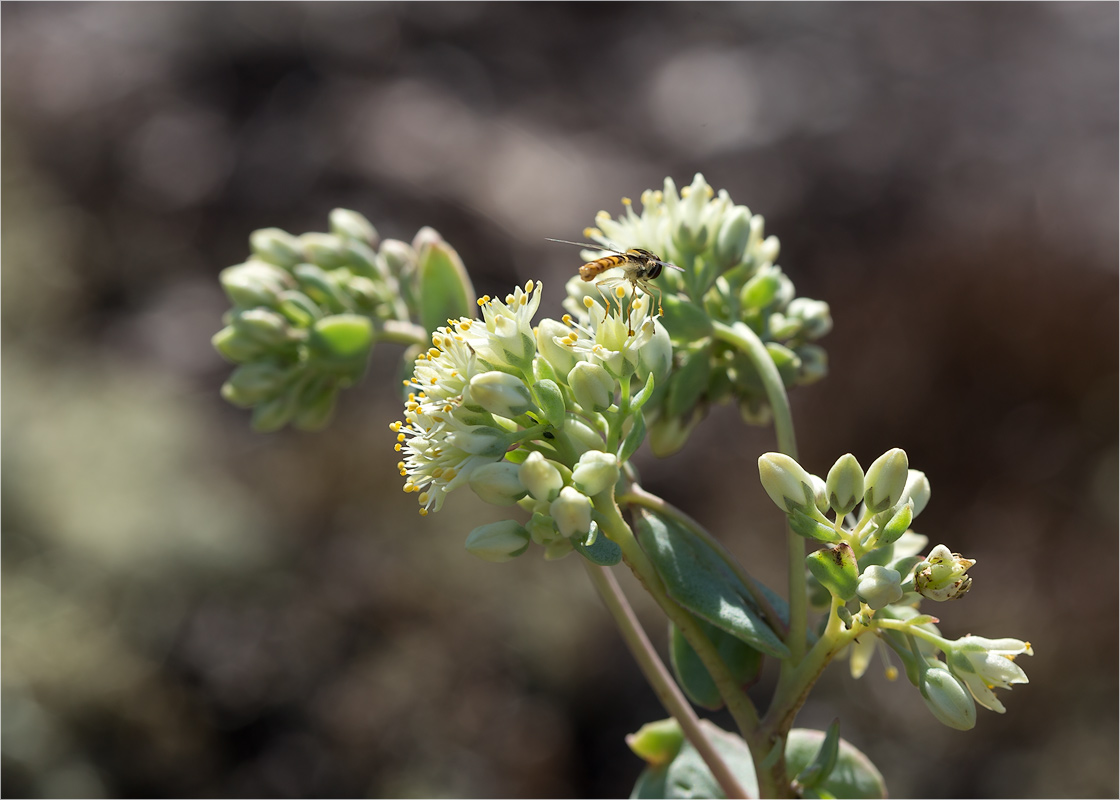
[654, 269]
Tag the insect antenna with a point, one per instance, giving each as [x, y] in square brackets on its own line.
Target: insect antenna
[588, 245]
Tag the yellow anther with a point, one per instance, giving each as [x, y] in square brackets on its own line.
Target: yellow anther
[423, 498]
[423, 512]
[449, 474]
[395, 426]
[591, 233]
[400, 437]
[588, 302]
[397, 447]
[620, 292]
[529, 285]
[602, 215]
[626, 201]
[483, 300]
[566, 319]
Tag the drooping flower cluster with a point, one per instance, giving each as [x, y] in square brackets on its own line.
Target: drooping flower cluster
[306, 313]
[541, 417]
[729, 276]
[872, 571]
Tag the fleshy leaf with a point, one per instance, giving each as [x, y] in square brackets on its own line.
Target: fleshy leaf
[687, 776]
[697, 578]
[444, 290]
[741, 659]
[602, 551]
[853, 776]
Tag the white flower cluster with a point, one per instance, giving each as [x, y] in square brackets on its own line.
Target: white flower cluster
[532, 416]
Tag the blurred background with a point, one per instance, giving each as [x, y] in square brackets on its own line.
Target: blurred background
[190, 609]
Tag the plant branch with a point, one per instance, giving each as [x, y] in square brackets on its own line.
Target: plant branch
[659, 678]
[742, 337]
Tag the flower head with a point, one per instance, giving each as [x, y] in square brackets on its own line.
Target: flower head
[446, 434]
[984, 664]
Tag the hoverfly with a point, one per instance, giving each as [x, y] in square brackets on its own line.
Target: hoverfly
[639, 267]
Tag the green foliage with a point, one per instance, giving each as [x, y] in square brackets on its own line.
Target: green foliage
[742, 661]
[699, 579]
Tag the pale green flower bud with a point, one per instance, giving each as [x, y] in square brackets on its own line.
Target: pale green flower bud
[947, 698]
[595, 472]
[542, 528]
[478, 440]
[263, 326]
[324, 250]
[814, 364]
[668, 434]
[583, 435]
[254, 382]
[500, 393]
[276, 247]
[844, 485]
[254, 283]
[816, 319]
[879, 587]
[768, 250]
[571, 512]
[236, 346]
[561, 358]
[917, 489]
[760, 291]
[942, 576]
[592, 386]
[734, 233]
[541, 477]
[836, 569]
[498, 483]
[885, 480]
[820, 494]
[789, 485]
[983, 664]
[348, 224]
[498, 541]
[397, 255]
[656, 355]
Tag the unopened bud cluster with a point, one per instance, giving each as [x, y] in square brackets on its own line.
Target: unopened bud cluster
[872, 569]
[541, 417]
[306, 312]
[729, 276]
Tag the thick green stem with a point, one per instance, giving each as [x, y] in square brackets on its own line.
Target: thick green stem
[640, 497]
[738, 703]
[659, 678]
[742, 337]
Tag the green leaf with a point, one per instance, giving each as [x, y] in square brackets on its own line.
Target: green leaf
[603, 551]
[687, 776]
[444, 290]
[697, 577]
[550, 400]
[743, 661]
[685, 321]
[818, 770]
[688, 382]
[854, 776]
[836, 570]
[634, 437]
